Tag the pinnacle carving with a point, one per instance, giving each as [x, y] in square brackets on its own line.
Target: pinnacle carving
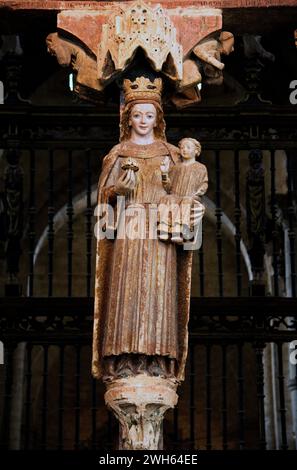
[139, 26]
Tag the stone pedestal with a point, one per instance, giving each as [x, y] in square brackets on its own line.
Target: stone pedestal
[139, 403]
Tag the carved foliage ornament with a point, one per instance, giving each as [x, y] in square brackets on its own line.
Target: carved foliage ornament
[139, 26]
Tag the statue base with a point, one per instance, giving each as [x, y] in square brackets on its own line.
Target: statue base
[139, 403]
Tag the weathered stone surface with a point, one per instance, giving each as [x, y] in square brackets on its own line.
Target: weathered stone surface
[93, 5]
[139, 404]
[85, 25]
[167, 38]
[140, 339]
[192, 25]
[191, 74]
[139, 26]
[209, 52]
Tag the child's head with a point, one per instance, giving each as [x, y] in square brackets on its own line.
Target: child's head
[189, 148]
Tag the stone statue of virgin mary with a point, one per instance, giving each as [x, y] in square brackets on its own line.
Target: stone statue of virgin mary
[142, 290]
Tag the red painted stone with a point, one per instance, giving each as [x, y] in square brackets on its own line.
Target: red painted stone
[190, 29]
[191, 26]
[94, 5]
[86, 26]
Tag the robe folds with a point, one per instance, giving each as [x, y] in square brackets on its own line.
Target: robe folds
[143, 285]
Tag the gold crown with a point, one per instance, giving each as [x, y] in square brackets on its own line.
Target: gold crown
[142, 89]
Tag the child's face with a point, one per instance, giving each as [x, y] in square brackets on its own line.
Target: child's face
[188, 149]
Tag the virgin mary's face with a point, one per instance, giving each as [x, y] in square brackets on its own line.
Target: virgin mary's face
[143, 118]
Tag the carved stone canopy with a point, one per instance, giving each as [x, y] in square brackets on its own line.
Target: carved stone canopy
[182, 44]
[139, 26]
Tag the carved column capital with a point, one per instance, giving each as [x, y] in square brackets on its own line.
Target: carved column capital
[139, 403]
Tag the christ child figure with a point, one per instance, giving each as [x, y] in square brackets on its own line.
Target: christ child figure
[184, 183]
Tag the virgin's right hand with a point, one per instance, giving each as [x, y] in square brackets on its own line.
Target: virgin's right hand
[126, 183]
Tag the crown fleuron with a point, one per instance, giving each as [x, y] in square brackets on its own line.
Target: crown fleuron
[142, 89]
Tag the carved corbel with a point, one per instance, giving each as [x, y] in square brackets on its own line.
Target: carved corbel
[209, 52]
[71, 55]
[139, 403]
[183, 46]
[207, 60]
